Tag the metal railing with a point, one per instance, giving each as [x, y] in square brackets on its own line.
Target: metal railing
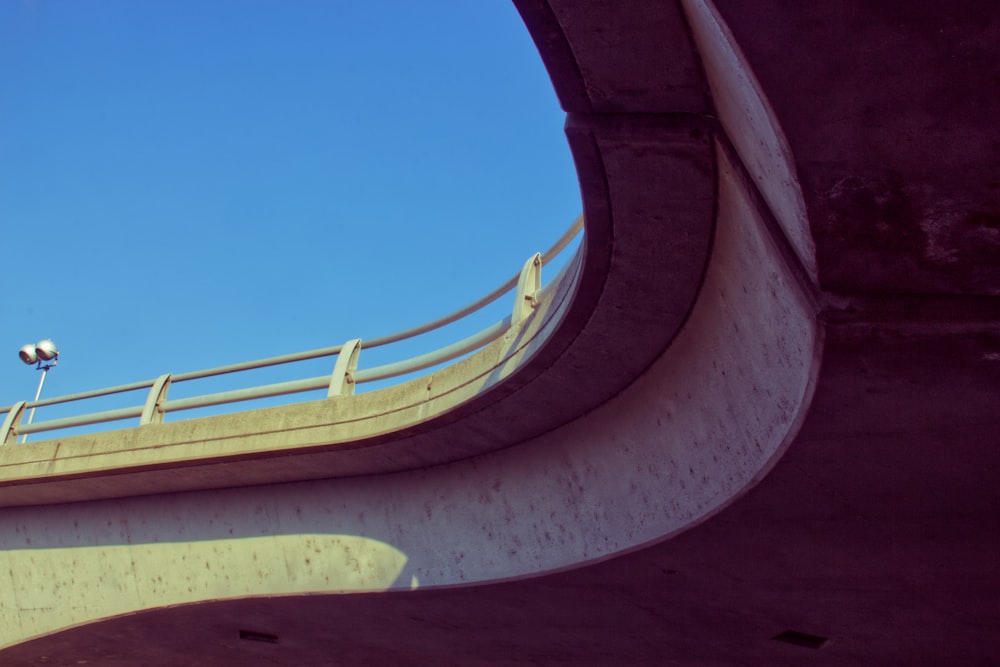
[346, 374]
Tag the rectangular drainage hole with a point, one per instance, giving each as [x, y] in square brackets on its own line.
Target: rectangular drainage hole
[800, 639]
[252, 636]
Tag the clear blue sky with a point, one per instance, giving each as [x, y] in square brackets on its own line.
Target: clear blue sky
[184, 185]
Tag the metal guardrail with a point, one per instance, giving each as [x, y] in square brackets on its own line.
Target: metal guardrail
[341, 382]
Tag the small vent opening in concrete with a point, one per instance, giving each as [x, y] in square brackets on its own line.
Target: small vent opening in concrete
[253, 636]
[801, 639]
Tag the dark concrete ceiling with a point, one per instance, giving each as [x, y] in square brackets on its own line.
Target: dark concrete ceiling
[891, 111]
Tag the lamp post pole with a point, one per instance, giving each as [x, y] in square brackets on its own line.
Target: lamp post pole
[47, 356]
[31, 415]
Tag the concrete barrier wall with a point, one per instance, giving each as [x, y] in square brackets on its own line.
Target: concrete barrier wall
[699, 428]
[749, 122]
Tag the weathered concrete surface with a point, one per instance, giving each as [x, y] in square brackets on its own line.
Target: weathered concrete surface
[751, 126]
[613, 57]
[681, 442]
[892, 560]
[876, 529]
[891, 112]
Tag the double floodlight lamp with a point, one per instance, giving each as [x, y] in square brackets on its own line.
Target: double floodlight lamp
[43, 351]
[46, 354]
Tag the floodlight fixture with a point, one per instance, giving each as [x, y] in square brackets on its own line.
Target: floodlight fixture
[42, 351]
[46, 354]
[46, 350]
[28, 354]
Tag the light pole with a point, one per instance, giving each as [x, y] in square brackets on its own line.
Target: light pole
[46, 354]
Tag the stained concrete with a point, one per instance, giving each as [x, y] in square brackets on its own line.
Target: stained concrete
[874, 531]
[890, 110]
[690, 435]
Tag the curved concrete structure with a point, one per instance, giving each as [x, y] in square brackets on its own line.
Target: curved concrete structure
[644, 256]
[699, 427]
[625, 481]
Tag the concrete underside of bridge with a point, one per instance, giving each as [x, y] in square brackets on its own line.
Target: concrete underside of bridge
[803, 468]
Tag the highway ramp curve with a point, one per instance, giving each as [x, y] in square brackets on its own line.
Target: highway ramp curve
[660, 382]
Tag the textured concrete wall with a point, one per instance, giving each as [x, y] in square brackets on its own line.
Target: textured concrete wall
[698, 429]
[890, 109]
[750, 124]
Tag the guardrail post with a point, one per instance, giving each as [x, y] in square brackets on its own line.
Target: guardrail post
[152, 412]
[8, 432]
[528, 284]
[342, 378]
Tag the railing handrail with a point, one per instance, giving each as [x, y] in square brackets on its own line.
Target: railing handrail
[483, 301]
[94, 393]
[12, 425]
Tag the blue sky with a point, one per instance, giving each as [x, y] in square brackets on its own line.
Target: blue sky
[185, 185]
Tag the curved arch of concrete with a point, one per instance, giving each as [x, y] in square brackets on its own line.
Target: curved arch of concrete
[648, 183]
[670, 436]
[595, 332]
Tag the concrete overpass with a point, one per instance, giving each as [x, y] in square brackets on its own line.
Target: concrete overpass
[757, 426]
